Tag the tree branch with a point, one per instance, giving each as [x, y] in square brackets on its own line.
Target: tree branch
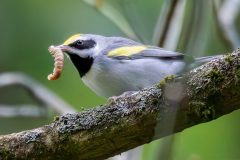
[135, 118]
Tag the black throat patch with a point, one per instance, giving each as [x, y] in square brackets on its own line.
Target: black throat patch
[83, 65]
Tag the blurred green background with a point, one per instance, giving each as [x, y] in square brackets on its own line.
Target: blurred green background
[28, 27]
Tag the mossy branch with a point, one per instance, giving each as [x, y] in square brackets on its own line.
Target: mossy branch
[136, 118]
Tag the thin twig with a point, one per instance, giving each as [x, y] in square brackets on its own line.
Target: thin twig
[22, 110]
[39, 92]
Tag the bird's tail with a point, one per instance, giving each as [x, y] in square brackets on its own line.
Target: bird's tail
[202, 60]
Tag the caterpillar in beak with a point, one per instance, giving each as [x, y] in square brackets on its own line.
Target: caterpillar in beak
[58, 56]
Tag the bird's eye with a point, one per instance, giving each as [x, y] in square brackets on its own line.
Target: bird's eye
[79, 43]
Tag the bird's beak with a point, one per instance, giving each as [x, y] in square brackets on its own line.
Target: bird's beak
[63, 47]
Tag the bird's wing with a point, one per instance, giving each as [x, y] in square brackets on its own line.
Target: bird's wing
[138, 52]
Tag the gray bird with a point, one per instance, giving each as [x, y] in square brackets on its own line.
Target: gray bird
[113, 65]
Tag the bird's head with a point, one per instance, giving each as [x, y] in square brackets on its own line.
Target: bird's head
[82, 49]
[83, 45]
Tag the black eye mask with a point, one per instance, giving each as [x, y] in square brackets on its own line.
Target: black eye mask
[83, 44]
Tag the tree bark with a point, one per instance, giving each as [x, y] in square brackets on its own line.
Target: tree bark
[134, 118]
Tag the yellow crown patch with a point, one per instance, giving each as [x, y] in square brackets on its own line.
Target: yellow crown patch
[71, 39]
[126, 51]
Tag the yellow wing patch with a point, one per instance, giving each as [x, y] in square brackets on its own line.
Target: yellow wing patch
[71, 39]
[126, 51]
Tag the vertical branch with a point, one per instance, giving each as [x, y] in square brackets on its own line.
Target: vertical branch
[167, 22]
